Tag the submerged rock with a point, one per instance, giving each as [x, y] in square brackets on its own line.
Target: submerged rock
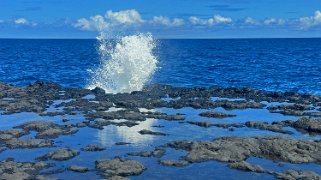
[156, 153]
[145, 131]
[177, 163]
[122, 143]
[93, 147]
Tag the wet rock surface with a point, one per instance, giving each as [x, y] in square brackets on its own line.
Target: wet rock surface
[119, 167]
[156, 153]
[47, 130]
[79, 169]
[177, 163]
[305, 125]
[266, 126]
[236, 149]
[292, 175]
[213, 114]
[10, 169]
[244, 166]
[60, 155]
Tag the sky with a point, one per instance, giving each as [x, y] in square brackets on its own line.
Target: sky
[162, 18]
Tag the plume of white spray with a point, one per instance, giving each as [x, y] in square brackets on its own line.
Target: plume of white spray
[126, 65]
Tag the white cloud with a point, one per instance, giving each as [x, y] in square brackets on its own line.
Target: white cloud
[126, 17]
[93, 23]
[100, 23]
[217, 19]
[23, 21]
[197, 21]
[250, 21]
[273, 21]
[167, 21]
[307, 22]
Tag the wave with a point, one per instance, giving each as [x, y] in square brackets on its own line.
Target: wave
[127, 63]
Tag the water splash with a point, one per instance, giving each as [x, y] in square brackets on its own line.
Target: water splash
[126, 64]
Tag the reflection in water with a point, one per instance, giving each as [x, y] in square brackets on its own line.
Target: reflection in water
[112, 134]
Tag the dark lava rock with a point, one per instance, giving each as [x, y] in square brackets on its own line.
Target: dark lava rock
[121, 143]
[47, 130]
[305, 125]
[16, 143]
[201, 124]
[119, 167]
[293, 175]
[266, 126]
[141, 154]
[78, 169]
[117, 178]
[10, 169]
[53, 171]
[244, 166]
[156, 153]
[60, 155]
[212, 114]
[177, 163]
[145, 131]
[296, 107]
[237, 149]
[65, 120]
[93, 147]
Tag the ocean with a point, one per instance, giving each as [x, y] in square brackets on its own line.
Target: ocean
[267, 64]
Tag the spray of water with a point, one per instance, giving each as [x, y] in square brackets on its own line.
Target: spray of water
[126, 64]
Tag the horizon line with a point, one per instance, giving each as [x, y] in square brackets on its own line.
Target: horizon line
[190, 38]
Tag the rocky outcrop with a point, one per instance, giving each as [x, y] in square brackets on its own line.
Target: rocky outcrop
[119, 167]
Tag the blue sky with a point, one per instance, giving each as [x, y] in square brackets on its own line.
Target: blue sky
[163, 18]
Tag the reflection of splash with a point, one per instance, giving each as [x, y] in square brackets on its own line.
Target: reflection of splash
[126, 65]
[111, 134]
[126, 134]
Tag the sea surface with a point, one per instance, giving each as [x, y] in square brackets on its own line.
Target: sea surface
[268, 64]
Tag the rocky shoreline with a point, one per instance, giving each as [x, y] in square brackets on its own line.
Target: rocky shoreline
[100, 110]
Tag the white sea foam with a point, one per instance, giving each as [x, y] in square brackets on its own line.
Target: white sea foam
[126, 65]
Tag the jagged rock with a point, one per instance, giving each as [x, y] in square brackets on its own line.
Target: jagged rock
[266, 126]
[119, 167]
[237, 149]
[177, 163]
[60, 155]
[12, 170]
[79, 169]
[213, 114]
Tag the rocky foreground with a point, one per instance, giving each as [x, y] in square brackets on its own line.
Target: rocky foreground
[97, 109]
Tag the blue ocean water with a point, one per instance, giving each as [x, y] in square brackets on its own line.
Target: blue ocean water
[269, 64]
